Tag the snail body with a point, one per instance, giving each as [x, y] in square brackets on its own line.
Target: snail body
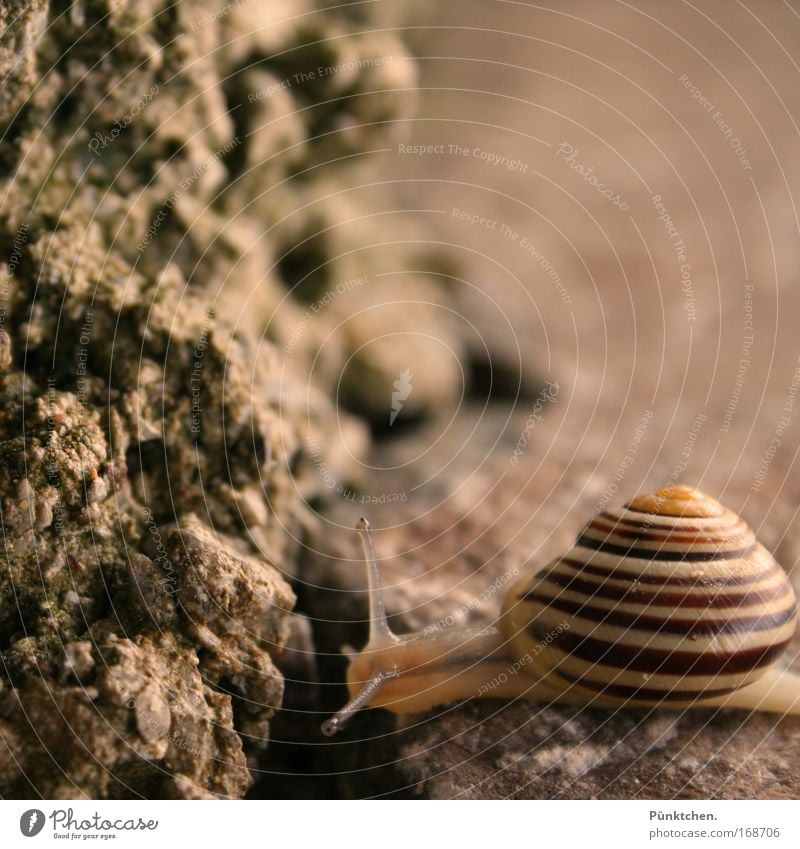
[669, 601]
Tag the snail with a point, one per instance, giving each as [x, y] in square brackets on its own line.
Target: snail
[669, 601]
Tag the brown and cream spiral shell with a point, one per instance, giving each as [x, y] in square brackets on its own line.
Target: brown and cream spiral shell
[667, 599]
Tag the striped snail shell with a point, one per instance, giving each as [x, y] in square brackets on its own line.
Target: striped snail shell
[668, 601]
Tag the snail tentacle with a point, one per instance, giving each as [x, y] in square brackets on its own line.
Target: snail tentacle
[415, 672]
[342, 716]
[380, 634]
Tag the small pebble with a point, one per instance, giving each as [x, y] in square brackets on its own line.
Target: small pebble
[44, 515]
[153, 717]
[79, 660]
[6, 357]
[97, 489]
[90, 514]
[25, 493]
[252, 508]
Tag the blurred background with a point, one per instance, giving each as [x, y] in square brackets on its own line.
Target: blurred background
[598, 296]
[613, 189]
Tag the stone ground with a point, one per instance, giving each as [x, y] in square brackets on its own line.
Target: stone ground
[668, 367]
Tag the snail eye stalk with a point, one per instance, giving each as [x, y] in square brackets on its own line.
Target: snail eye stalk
[380, 636]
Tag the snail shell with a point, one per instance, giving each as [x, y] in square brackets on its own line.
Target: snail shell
[667, 599]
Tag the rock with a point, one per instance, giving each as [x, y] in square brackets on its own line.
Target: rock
[6, 358]
[152, 588]
[79, 661]
[184, 734]
[152, 713]
[140, 406]
[21, 24]
[44, 516]
[236, 608]
[230, 593]
[97, 490]
[498, 750]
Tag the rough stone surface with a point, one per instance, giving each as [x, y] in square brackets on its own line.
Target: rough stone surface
[134, 717]
[510, 751]
[87, 615]
[155, 468]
